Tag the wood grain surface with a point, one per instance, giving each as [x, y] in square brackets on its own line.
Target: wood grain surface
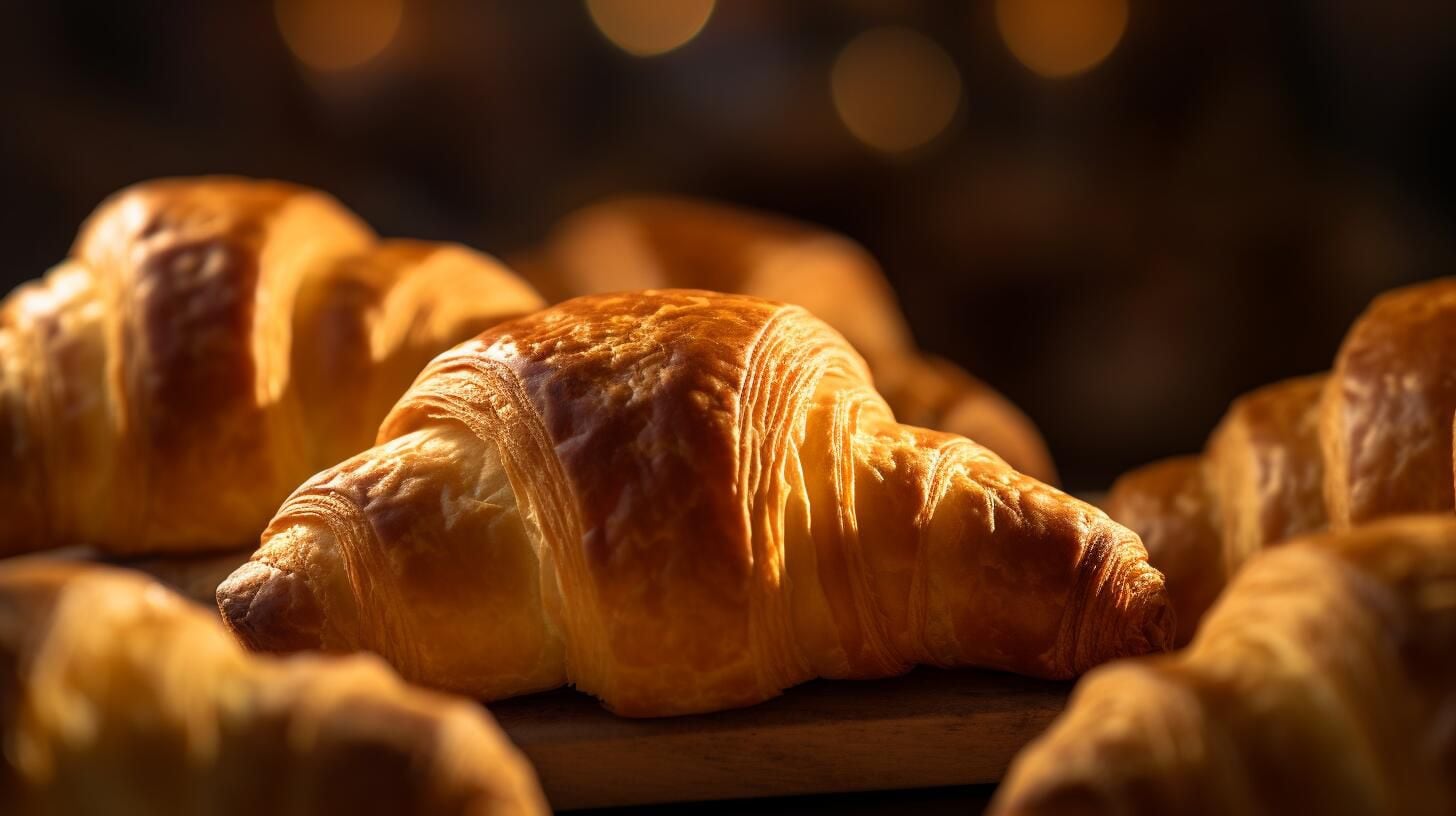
[928, 728]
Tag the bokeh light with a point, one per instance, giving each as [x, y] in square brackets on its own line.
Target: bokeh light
[335, 35]
[895, 89]
[1061, 38]
[646, 28]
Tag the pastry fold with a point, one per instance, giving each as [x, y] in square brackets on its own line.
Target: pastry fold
[683, 501]
[119, 697]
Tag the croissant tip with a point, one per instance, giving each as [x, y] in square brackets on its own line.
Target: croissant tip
[269, 609]
[1160, 625]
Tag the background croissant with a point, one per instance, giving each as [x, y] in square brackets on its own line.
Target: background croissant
[208, 345]
[1370, 439]
[683, 501]
[656, 242]
[118, 697]
[1323, 681]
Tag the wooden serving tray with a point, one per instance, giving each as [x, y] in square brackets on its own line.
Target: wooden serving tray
[929, 728]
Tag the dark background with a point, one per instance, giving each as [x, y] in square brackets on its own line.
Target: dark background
[1122, 252]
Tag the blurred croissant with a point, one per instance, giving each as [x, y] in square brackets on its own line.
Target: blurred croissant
[208, 345]
[118, 697]
[647, 242]
[1323, 681]
[683, 501]
[1370, 439]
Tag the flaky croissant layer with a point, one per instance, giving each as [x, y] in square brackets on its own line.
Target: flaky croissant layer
[1323, 681]
[209, 344]
[683, 501]
[119, 697]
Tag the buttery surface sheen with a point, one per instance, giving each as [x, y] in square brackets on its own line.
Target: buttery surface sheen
[119, 697]
[683, 501]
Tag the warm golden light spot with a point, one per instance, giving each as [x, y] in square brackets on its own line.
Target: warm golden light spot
[1060, 38]
[895, 89]
[646, 28]
[334, 35]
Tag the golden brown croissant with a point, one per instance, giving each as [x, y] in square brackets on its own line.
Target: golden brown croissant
[1323, 681]
[118, 697]
[208, 345]
[654, 242]
[1258, 482]
[1371, 439]
[683, 501]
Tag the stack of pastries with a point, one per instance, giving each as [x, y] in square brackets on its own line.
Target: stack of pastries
[678, 500]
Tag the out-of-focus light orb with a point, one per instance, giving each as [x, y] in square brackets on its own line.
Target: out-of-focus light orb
[895, 89]
[1061, 38]
[646, 28]
[335, 35]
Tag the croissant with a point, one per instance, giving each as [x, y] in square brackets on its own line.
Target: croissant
[683, 501]
[1370, 439]
[118, 697]
[650, 242]
[1323, 681]
[208, 345]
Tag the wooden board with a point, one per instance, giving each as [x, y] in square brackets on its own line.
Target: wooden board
[928, 728]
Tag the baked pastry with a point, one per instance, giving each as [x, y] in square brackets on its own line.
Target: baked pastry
[1371, 439]
[1258, 481]
[209, 344]
[119, 697]
[683, 501]
[656, 242]
[1323, 681]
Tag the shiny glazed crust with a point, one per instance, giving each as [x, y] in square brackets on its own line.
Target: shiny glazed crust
[121, 698]
[659, 242]
[683, 501]
[209, 343]
[1323, 681]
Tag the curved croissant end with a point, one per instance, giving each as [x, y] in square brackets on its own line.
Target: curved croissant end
[1385, 422]
[658, 242]
[1167, 504]
[683, 501]
[1322, 682]
[120, 696]
[166, 387]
